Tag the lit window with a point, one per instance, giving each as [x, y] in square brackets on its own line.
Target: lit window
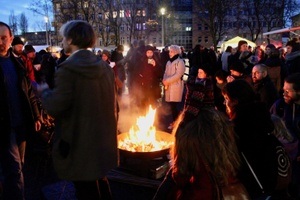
[127, 13]
[106, 15]
[57, 7]
[122, 14]
[188, 28]
[86, 4]
[115, 14]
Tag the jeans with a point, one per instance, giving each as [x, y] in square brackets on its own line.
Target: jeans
[12, 162]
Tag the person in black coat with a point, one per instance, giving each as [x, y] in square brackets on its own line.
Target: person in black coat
[149, 76]
[259, 148]
[19, 116]
[263, 85]
[292, 59]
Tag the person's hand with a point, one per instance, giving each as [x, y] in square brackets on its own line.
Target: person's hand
[230, 78]
[153, 62]
[38, 125]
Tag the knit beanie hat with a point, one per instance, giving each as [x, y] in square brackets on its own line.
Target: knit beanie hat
[17, 40]
[149, 48]
[28, 48]
[206, 68]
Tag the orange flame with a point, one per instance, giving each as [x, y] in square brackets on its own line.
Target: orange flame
[142, 135]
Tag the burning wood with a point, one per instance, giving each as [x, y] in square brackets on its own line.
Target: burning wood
[143, 136]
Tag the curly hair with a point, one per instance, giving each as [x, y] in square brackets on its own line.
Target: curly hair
[209, 139]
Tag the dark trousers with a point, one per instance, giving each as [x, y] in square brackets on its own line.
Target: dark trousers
[92, 190]
[174, 109]
[12, 161]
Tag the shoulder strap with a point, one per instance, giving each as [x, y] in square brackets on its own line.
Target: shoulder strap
[253, 173]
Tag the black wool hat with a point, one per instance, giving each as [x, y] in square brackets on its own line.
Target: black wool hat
[28, 48]
[149, 48]
[237, 66]
[206, 68]
[17, 40]
[271, 46]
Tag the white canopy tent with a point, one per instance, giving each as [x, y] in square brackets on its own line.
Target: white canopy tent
[234, 43]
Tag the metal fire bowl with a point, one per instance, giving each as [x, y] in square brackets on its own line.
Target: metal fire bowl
[160, 135]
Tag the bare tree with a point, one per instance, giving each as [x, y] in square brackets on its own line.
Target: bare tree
[291, 7]
[13, 22]
[131, 18]
[111, 22]
[23, 24]
[42, 7]
[252, 18]
[267, 14]
[213, 13]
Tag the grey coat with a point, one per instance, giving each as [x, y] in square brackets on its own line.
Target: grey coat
[173, 76]
[84, 106]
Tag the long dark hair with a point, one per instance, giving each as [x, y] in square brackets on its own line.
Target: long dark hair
[240, 91]
[208, 139]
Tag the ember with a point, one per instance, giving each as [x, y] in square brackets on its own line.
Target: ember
[143, 136]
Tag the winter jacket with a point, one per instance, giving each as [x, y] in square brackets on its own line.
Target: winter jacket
[28, 102]
[254, 127]
[83, 103]
[292, 62]
[200, 94]
[173, 76]
[266, 91]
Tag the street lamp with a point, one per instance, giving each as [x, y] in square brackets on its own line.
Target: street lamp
[162, 11]
[47, 38]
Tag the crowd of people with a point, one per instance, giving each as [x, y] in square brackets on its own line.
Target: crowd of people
[236, 118]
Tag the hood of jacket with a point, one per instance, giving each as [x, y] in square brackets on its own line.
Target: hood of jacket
[86, 63]
[292, 55]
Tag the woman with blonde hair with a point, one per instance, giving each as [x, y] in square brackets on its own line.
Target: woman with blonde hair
[205, 158]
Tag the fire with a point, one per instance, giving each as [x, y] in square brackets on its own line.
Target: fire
[142, 136]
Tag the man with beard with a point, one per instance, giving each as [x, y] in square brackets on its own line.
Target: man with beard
[289, 109]
[19, 117]
[17, 48]
[263, 85]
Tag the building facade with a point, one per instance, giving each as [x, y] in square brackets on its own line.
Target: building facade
[185, 22]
